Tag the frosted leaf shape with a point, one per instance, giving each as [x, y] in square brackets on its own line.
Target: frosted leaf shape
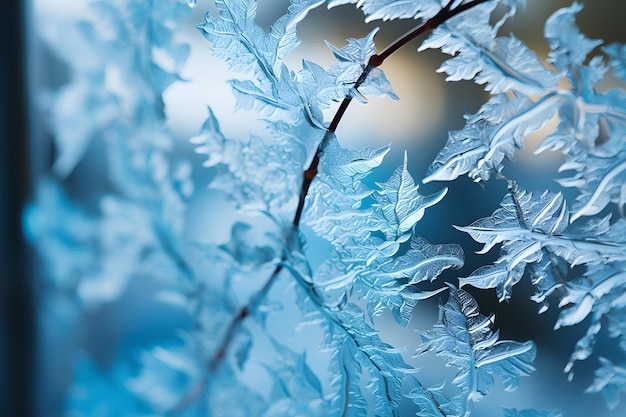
[236, 38]
[296, 390]
[362, 259]
[489, 137]
[244, 45]
[521, 214]
[497, 276]
[384, 363]
[534, 231]
[433, 402]
[349, 399]
[246, 48]
[501, 64]
[423, 261]
[599, 294]
[254, 174]
[357, 51]
[524, 225]
[464, 339]
[345, 168]
[569, 47]
[392, 282]
[400, 203]
[353, 59]
[603, 183]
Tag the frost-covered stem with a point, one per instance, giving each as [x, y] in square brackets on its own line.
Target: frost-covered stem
[444, 14]
[244, 312]
[220, 354]
[518, 205]
[430, 397]
[333, 320]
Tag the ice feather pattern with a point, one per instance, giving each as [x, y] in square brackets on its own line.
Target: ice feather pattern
[244, 45]
[501, 64]
[535, 234]
[367, 254]
[498, 129]
[236, 38]
[526, 225]
[231, 293]
[365, 225]
[539, 233]
[274, 88]
[596, 168]
[489, 137]
[464, 339]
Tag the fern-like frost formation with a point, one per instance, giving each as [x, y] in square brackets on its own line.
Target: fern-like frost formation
[245, 302]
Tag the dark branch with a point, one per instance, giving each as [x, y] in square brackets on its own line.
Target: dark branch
[309, 175]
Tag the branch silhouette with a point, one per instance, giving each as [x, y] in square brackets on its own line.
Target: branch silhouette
[376, 60]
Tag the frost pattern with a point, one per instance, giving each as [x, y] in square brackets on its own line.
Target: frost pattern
[122, 62]
[464, 339]
[492, 135]
[138, 229]
[540, 233]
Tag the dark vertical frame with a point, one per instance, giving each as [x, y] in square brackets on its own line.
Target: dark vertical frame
[17, 329]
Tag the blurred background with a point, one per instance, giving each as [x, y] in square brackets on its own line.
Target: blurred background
[34, 377]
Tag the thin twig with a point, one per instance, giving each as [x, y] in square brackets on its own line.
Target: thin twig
[518, 205]
[309, 175]
[444, 14]
[244, 312]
